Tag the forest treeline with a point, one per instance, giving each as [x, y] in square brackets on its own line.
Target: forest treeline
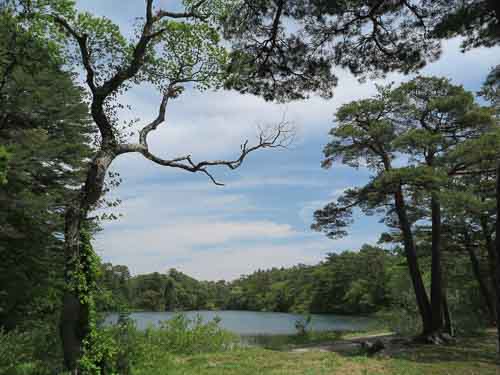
[370, 280]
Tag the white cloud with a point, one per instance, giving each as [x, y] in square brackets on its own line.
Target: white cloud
[230, 263]
[153, 248]
[151, 205]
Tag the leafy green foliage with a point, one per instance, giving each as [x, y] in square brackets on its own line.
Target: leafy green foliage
[98, 349]
[30, 352]
[145, 351]
[189, 336]
[45, 133]
[14, 349]
[348, 283]
[419, 126]
[114, 288]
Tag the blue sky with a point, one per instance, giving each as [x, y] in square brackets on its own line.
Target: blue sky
[261, 218]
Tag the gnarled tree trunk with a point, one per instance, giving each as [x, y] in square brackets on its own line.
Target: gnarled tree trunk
[74, 324]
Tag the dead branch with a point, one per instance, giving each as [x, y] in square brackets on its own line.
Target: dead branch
[277, 136]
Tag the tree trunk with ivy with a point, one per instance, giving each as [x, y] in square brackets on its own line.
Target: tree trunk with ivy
[75, 317]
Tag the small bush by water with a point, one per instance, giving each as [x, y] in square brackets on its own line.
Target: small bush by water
[182, 335]
[154, 347]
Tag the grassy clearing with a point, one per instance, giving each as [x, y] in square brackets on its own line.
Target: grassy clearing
[191, 347]
[471, 356]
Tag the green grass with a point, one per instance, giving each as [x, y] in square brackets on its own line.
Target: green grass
[471, 356]
[182, 347]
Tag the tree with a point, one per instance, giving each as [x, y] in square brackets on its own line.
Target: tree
[114, 288]
[288, 47]
[365, 134]
[171, 50]
[437, 116]
[45, 133]
[463, 210]
[482, 157]
[171, 301]
[415, 125]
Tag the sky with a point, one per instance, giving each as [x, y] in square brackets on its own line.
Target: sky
[261, 218]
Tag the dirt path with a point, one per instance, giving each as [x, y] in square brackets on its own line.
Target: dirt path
[389, 340]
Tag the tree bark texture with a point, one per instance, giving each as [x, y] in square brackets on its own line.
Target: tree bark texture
[412, 260]
[436, 277]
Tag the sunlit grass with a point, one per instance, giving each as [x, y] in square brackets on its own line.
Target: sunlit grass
[471, 356]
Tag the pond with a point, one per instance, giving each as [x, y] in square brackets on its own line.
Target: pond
[252, 323]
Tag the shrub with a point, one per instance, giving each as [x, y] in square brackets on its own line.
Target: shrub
[181, 335]
[15, 351]
[302, 325]
[33, 352]
[144, 352]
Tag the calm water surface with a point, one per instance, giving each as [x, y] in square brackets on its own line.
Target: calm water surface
[251, 323]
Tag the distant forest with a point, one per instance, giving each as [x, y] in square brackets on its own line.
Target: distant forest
[353, 282]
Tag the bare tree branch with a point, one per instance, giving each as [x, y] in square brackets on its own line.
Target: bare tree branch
[171, 92]
[279, 136]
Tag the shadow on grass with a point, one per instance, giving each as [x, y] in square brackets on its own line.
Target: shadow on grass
[475, 349]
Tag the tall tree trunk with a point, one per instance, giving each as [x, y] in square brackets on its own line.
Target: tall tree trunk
[423, 304]
[476, 269]
[497, 248]
[74, 322]
[445, 308]
[492, 260]
[436, 277]
[72, 327]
